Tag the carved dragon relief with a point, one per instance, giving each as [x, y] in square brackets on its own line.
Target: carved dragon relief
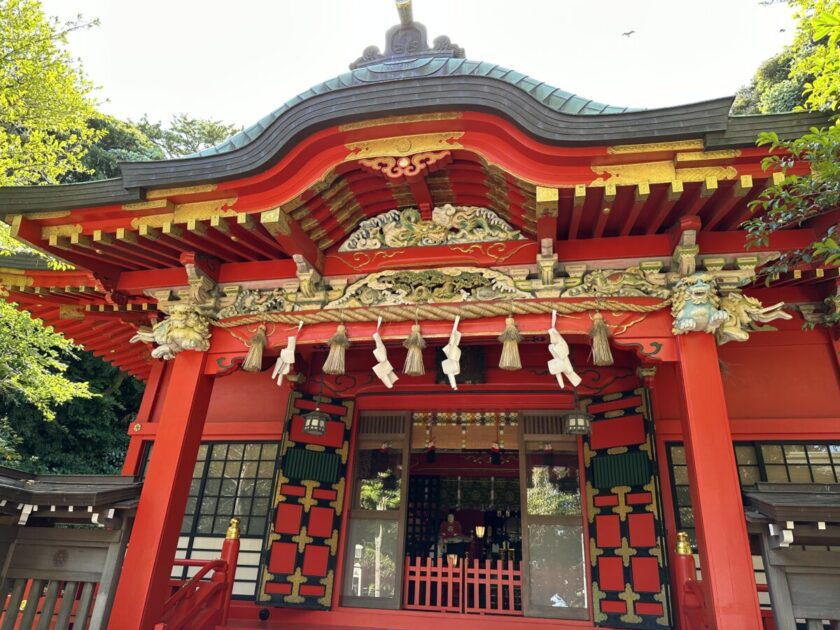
[449, 225]
[455, 284]
[186, 328]
[709, 301]
[697, 305]
[632, 282]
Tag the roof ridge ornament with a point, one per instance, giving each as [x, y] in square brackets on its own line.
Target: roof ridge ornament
[408, 40]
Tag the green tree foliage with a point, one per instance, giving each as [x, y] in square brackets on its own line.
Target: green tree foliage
[119, 142]
[44, 97]
[806, 198]
[186, 135]
[44, 106]
[772, 89]
[33, 363]
[86, 436]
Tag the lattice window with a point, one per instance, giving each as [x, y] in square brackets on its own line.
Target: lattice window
[774, 462]
[229, 479]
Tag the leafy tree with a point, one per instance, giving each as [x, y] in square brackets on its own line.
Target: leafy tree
[120, 142]
[44, 97]
[86, 436]
[33, 363]
[812, 197]
[44, 106]
[772, 89]
[186, 135]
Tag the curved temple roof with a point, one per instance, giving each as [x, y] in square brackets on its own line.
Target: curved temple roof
[555, 99]
[412, 76]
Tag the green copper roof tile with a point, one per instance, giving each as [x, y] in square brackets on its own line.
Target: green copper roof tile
[395, 70]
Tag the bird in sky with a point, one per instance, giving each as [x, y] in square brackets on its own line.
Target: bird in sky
[627, 34]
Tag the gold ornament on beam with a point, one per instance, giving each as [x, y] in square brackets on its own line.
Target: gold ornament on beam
[414, 358]
[256, 345]
[510, 339]
[335, 363]
[601, 353]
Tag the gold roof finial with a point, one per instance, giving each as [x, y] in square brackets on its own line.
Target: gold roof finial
[683, 546]
[233, 531]
[404, 9]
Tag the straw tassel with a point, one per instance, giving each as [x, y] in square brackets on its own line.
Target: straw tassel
[338, 343]
[414, 359]
[601, 353]
[256, 345]
[510, 339]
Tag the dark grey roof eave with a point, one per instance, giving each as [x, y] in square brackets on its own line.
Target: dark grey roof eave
[708, 120]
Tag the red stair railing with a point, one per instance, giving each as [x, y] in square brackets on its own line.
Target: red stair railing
[203, 601]
[691, 599]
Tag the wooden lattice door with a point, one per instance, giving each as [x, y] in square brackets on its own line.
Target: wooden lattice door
[299, 558]
[627, 551]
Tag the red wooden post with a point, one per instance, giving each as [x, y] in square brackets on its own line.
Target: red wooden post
[151, 549]
[684, 570]
[725, 555]
[230, 554]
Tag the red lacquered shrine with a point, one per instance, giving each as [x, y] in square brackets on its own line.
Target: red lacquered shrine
[455, 347]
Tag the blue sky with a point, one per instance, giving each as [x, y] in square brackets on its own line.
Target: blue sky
[238, 60]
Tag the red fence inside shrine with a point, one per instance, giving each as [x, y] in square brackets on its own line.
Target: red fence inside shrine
[473, 586]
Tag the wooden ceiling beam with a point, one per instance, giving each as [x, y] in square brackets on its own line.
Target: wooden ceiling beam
[216, 242]
[578, 201]
[241, 241]
[605, 210]
[120, 249]
[736, 194]
[641, 197]
[129, 241]
[291, 237]
[547, 203]
[247, 223]
[675, 191]
[158, 241]
[708, 187]
[189, 241]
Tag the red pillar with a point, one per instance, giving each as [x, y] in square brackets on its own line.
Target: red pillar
[143, 585]
[725, 558]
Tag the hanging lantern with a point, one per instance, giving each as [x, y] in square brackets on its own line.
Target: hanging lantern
[510, 339]
[577, 422]
[479, 531]
[315, 422]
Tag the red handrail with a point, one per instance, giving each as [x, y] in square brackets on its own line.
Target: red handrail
[201, 603]
[691, 598]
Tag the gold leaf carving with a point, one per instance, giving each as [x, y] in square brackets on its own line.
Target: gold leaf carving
[186, 212]
[403, 145]
[678, 145]
[393, 120]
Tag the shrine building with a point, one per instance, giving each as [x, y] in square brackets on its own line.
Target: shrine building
[454, 348]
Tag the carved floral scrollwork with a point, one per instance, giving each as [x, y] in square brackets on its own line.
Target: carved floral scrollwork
[407, 167]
